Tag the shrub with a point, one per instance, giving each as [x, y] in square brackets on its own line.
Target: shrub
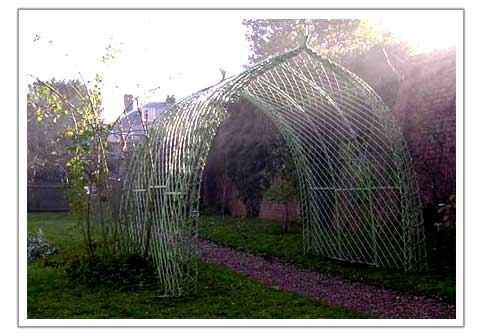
[440, 221]
[38, 246]
[445, 233]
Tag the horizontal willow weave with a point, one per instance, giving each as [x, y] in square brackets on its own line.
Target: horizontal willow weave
[358, 193]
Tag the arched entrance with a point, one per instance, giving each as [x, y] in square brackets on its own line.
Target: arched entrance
[358, 194]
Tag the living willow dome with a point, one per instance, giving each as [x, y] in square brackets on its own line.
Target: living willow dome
[358, 194]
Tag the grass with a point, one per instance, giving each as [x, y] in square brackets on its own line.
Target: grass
[266, 237]
[55, 292]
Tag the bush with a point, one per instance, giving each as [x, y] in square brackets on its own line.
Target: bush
[444, 251]
[38, 247]
[440, 222]
[129, 273]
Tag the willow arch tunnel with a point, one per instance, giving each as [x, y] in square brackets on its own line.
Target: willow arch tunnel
[358, 193]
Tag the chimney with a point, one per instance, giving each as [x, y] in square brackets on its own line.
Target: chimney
[128, 102]
[170, 100]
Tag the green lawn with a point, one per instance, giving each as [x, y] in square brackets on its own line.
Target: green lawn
[54, 293]
[266, 237]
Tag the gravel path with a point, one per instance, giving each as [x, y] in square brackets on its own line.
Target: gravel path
[330, 289]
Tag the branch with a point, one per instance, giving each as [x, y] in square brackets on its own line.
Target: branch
[391, 65]
[66, 101]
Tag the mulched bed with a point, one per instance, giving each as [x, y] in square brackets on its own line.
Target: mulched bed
[330, 289]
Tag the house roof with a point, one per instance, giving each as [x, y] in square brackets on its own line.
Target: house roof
[156, 105]
[131, 122]
[132, 117]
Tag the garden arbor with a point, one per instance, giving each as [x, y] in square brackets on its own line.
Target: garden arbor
[358, 195]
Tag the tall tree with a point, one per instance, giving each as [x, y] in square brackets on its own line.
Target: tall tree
[332, 38]
[364, 46]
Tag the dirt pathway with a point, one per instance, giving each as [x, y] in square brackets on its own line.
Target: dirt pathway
[330, 289]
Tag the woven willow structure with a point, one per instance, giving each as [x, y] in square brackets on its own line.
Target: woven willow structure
[358, 193]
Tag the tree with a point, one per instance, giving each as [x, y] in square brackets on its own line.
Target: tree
[283, 192]
[332, 38]
[248, 150]
[48, 122]
[81, 138]
[363, 46]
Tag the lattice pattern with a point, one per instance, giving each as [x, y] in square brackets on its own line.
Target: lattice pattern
[358, 194]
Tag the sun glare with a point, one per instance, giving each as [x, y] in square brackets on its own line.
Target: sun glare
[424, 32]
[151, 56]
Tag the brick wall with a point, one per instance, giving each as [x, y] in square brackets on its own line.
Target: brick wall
[268, 209]
[234, 205]
[276, 211]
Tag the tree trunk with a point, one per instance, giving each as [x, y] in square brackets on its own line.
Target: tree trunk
[285, 224]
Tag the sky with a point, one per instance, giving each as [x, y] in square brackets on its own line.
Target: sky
[177, 52]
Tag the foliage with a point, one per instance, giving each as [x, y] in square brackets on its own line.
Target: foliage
[252, 170]
[85, 133]
[443, 250]
[124, 273]
[282, 192]
[447, 213]
[253, 152]
[266, 238]
[48, 119]
[334, 38]
[38, 246]
[54, 293]
[364, 46]
[285, 190]
[84, 147]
